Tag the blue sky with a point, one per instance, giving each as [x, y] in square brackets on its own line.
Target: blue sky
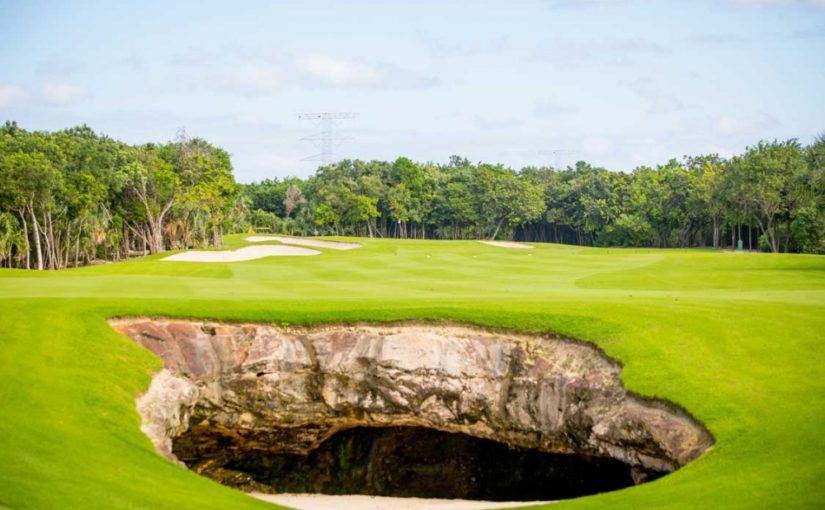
[618, 83]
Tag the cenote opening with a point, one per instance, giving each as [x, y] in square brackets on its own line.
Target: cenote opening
[405, 410]
[406, 462]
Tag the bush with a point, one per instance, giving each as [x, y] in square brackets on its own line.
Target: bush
[764, 246]
[628, 230]
[260, 218]
[808, 228]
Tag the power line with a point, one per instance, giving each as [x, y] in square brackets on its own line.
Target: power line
[326, 139]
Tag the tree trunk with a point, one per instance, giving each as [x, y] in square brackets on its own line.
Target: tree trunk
[58, 243]
[48, 234]
[77, 244]
[771, 235]
[144, 234]
[22, 214]
[155, 237]
[715, 231]
[217, 238]
[768, 231]
[68, 243]
[498, 227]
[37, 247]
[46, 249]
[739, 232]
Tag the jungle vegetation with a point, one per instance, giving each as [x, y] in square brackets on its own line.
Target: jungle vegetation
[72, 197]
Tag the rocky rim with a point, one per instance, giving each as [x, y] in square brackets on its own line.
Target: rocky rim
[286, 390]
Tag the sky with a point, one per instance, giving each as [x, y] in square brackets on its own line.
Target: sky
[617, 83]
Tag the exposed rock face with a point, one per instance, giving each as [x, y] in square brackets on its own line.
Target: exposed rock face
[258, 387]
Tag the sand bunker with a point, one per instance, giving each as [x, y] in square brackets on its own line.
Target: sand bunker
[324, 502]
[509, 244]
[301, 241]
[241, 254]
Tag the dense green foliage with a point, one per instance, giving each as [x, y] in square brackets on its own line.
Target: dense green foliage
[73, 196]
[735, 338]
[772, 196]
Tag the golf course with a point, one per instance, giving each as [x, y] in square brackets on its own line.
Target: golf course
[435, 255]
[733, 338]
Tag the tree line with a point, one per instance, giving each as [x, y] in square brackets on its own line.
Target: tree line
[74, 197]
[771, 197]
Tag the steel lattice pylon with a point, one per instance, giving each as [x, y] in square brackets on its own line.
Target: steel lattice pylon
[326, 138]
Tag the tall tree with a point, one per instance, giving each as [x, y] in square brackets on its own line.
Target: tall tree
[765, 174]
[504, 199]
[293, 200]
[154, 184]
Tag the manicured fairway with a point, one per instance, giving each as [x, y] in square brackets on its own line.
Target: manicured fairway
[737, 339]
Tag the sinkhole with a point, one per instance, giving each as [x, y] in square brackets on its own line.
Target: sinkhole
[404, 462]
[406, 410]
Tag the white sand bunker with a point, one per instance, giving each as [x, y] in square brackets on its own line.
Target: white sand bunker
[302, 241]
[509, 244]
[241, 254]
[324, 502]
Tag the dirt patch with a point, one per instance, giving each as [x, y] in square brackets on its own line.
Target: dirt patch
[241, 254]
[508, 244]
[301, 241]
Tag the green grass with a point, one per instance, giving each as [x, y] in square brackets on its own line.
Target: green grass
[735, 338]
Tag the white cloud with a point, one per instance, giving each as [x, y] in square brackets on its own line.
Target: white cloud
[11, 95]
[62, 93]
[338, 71]
[262, 71]
[325, 70]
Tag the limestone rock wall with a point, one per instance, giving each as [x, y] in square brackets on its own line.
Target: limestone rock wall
[256, 386]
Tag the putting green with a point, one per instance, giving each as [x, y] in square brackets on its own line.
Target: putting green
[737, 339]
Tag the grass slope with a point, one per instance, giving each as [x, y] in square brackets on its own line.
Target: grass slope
[735, 338]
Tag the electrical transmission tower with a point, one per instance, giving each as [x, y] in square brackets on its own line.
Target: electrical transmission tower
[557, 154]
[326, 139]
